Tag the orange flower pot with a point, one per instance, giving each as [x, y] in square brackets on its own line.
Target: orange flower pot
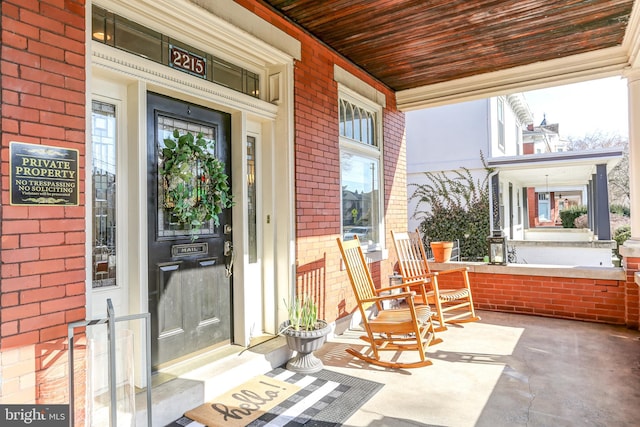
[441, 251]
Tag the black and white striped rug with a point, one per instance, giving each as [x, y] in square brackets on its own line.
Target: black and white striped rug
[325, 399]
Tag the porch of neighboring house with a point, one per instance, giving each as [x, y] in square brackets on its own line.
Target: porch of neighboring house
[548, 184]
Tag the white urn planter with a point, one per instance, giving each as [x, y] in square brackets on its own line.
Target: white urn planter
[304, 343]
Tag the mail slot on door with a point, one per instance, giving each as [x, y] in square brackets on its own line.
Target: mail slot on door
[189, 249]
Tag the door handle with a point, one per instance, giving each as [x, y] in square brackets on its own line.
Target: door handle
[229, 255]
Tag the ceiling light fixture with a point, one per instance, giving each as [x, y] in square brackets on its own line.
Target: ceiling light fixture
[99, 35]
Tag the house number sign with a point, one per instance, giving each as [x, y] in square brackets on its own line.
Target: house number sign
[43, 175]
[187, 61]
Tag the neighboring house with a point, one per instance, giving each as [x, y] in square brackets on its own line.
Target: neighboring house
[450, 137]
[543, 138]
[535, 178]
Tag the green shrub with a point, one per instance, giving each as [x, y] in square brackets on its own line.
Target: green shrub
[621, 235]
[568, 216]
[620, 210]
[455, 207]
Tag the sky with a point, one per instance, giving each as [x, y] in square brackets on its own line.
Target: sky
[583, 108]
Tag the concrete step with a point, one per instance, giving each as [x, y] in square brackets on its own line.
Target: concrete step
[186, 386]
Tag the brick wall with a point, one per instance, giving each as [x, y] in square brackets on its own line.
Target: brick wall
[317, 174]
[632, 295]
[42, 266]
[562, 297]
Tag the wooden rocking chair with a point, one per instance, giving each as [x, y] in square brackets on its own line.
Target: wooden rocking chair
[398, 329]
[452, 305]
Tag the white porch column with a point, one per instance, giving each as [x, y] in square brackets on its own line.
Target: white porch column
[634, 152]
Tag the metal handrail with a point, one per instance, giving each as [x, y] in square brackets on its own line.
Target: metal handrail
[110, 320]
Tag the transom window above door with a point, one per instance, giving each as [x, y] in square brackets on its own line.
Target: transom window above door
[124, 34]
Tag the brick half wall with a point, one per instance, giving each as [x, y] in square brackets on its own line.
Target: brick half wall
[596, 299]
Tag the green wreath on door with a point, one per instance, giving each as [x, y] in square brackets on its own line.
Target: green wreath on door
[196, 187]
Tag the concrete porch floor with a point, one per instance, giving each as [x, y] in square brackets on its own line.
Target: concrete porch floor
[506, 370]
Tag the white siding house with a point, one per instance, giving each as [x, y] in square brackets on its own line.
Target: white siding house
[443, 139]
[534, 176]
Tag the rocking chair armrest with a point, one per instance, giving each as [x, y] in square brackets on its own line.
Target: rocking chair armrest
[420, 285]
[392, 287]
[453, 270]
[418, 280]
[409, 294]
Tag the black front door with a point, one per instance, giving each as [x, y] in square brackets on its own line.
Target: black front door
[189, 287]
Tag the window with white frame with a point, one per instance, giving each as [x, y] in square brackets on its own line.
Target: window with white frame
[360, 169]
[544, 208]
[103, 179]
[519, 208]
[501, 124]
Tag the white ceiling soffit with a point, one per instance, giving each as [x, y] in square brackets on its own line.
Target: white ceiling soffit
[573, 69]
[609, 62]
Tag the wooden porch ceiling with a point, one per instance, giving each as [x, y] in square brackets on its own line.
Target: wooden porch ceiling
[408, 44]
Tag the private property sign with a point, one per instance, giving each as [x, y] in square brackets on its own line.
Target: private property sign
[43, 175]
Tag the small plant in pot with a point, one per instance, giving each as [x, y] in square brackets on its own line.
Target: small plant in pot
[304, 333]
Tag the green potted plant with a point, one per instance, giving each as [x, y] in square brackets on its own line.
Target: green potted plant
[196, 187]
[305, 333]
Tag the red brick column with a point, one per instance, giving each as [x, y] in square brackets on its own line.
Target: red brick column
[631, 265]
[42, 253]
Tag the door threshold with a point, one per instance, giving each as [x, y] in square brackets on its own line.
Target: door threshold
[263, 344]
[177, 368]
[259, 340]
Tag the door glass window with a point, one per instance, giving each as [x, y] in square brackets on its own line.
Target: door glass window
[103, 170]
[167, 225]
[251, 199]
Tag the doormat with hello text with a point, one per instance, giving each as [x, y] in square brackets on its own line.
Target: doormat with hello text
[284, 398]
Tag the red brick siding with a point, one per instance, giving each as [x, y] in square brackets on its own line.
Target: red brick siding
[317, 171]
[562, 297]
[42, 268]
[527, 148]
